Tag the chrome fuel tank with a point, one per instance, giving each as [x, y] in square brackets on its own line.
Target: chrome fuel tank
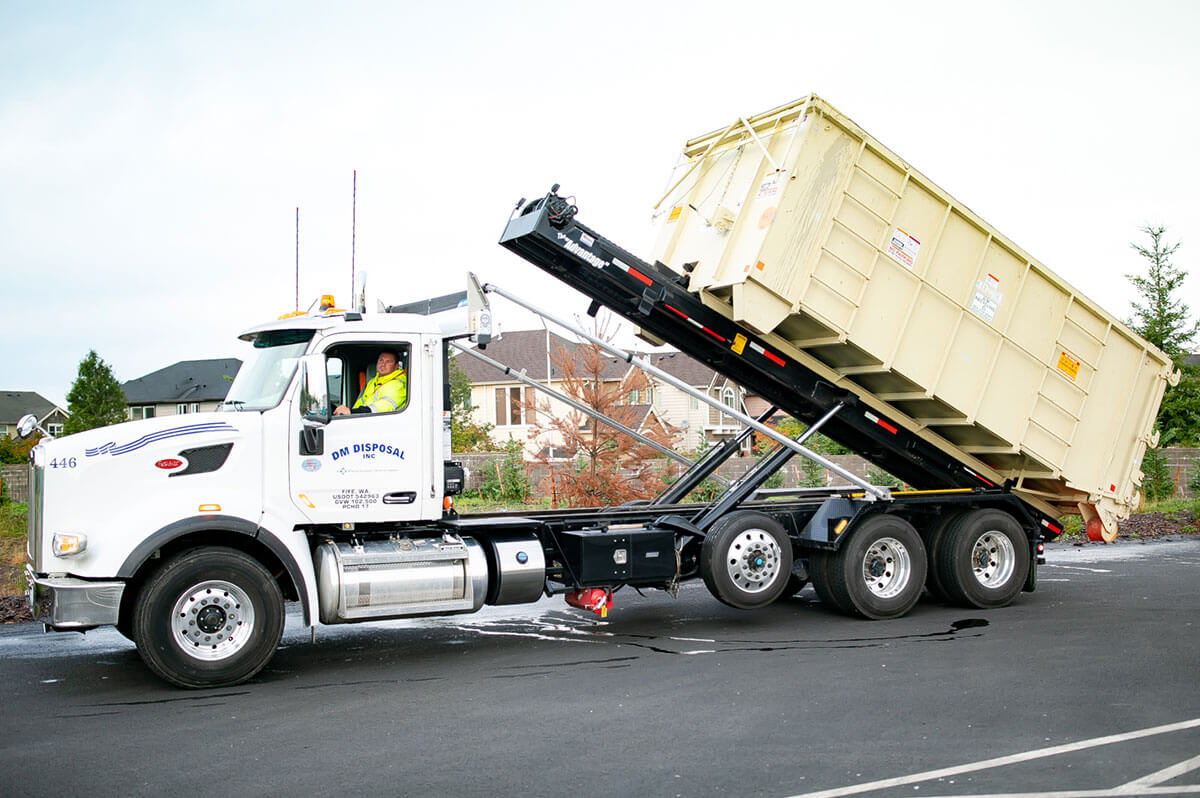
[400, 577]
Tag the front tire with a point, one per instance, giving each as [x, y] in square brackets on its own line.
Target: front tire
[880, 571]
[746, 560]
[211, 617]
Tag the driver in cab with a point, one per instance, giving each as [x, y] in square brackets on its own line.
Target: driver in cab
[383, 393]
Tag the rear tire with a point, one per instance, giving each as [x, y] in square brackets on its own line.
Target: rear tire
[880, 571]
[818, 572]
[794, 585]
[983, 559]
[746, 559]
[933, 540]
[211, 617]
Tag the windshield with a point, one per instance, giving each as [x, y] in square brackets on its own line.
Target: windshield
[266, 374]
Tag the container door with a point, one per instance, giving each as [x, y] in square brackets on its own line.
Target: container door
[365, 466]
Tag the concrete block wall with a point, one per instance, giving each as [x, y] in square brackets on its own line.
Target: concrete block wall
[15, 479]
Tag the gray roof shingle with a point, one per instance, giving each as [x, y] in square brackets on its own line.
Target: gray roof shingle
[14, 404]
[185, 381]
[526, 349]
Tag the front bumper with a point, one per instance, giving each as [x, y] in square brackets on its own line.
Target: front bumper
[64, 602]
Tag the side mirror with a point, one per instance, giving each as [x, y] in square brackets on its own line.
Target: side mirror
[314, 389]
[27, 425]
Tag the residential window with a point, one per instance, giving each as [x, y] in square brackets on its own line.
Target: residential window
[633, 397]
[54, 429]
[728, 398]
[693, 403]
[195, 407]
[145, 411]
[180, 409]
[510, 406]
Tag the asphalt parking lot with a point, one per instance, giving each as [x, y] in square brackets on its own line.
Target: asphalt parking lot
[1087, 687]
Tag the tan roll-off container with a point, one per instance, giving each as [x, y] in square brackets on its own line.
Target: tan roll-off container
[811, 232]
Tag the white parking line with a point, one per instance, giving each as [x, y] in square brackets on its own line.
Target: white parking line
[1138, 786]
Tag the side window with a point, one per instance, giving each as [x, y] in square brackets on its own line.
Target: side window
[369, 378]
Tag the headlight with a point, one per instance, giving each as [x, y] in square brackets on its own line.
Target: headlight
[68, 545]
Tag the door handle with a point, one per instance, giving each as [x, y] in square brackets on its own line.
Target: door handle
[400, 497]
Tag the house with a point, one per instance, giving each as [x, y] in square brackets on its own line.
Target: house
[14, 404]
[504, 402]
[190, 386]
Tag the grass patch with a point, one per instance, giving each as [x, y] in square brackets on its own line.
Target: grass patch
[12, 549]
[1168, 506]
[467, 504]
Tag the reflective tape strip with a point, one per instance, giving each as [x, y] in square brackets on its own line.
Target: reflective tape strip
[874, 419]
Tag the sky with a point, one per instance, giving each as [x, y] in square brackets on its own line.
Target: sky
[153, 155]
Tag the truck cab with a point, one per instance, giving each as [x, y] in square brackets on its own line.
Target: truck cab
[260, 479]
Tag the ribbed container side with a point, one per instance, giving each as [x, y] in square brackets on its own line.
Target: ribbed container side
[815, 234]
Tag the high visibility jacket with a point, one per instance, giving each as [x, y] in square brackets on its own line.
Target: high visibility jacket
[385, 394]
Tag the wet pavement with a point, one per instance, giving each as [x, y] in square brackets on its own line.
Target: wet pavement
[672, 697]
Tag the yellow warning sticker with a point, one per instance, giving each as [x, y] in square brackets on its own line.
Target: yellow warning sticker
[1068, 365]
[675, 212]
[739, 343]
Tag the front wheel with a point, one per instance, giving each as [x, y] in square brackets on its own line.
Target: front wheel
[211, 617]
[746, 560]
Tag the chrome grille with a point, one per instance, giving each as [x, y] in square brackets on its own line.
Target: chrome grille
[33, 544]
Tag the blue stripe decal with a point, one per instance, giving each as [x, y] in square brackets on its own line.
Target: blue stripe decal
[153, 437]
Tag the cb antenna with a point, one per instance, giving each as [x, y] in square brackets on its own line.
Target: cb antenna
[297, 259]
[353, 225]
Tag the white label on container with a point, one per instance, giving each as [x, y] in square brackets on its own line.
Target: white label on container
[769, 186]
[987, 297]
[903, 248]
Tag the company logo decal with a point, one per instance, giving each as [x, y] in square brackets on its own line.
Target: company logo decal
[370, 451]
[580, 252]
[168, 463]
[113, 449]
[311, 464]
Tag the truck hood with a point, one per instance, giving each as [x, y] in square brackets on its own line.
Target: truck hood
[169, 468]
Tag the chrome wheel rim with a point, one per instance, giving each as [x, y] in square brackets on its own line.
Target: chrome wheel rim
[993, 559]
[753, 561]
[886, 568]
[212, 620]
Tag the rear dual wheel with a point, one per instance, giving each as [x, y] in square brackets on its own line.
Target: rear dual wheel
[878, 573]
[982, 559]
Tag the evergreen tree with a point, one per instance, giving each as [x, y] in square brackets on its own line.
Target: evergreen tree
[95, 398]
[1162, 319]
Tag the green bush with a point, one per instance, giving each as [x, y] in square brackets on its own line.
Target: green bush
[1157, 484]
[506, 480]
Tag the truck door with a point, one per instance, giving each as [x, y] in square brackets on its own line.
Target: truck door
[366, 466]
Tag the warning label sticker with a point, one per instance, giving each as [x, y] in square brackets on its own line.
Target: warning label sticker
[769, 186]
[903, 248]
[675, 212]
[1068, 365]
[987, 297]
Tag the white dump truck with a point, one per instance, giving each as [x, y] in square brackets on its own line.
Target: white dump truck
[189, 533]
